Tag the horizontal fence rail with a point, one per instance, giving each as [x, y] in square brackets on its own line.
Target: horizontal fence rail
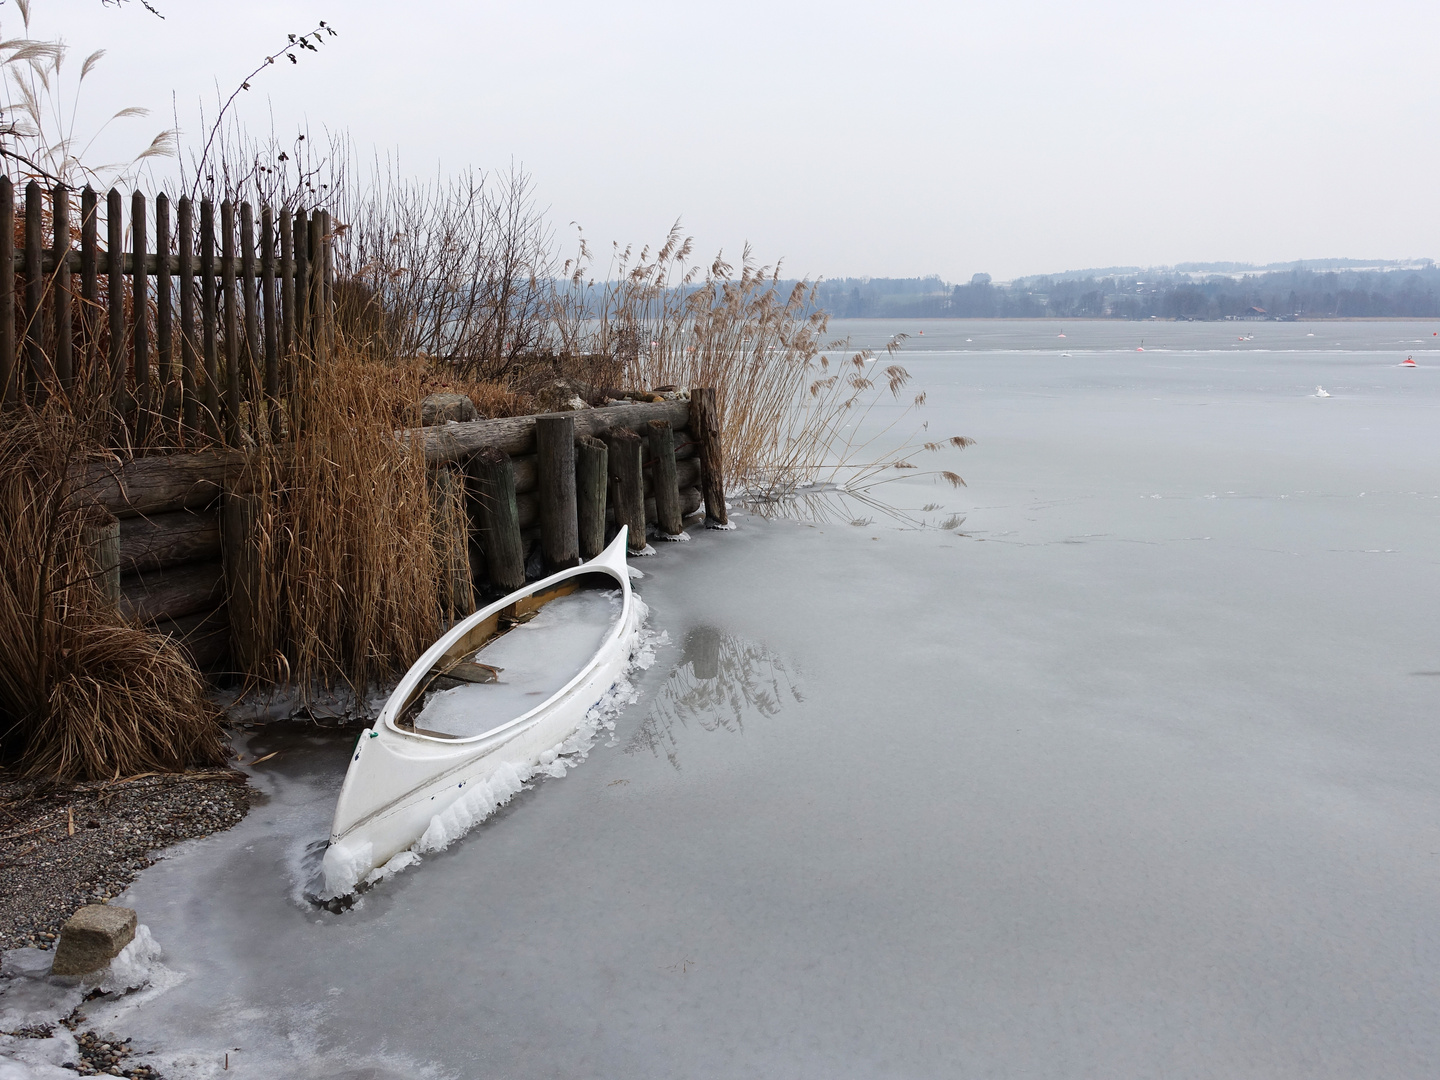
[191, 333]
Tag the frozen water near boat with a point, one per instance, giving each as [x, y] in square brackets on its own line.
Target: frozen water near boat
[1106, 786]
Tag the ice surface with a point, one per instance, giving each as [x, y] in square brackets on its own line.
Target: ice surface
[538, 658]
[1104, 786]
[38, 1059]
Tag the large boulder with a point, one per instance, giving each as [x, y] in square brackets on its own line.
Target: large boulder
[443, 408]
[92, 937]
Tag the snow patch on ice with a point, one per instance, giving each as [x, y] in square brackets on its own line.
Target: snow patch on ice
[38, 1059]
[677, 538]
[728, 527]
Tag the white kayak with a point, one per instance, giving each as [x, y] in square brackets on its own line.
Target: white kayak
[490, 702]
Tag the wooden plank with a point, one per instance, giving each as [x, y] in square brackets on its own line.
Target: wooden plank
[115, 300]
[160, 541]
[302, 283]
[34, 291]
[231, 404]
[9, 393]
[555, 462]
[250, 352]
[492, 492]
[64, 308]
[591, 481]
[190, 377]
[287, 282]
[204, 636]
[314, 299]
[89, 282]
[452, 542]
[139, 318]
[101, 540]
[516, 434]
[172, 593]
[627, 486]
[157, 485]
[326, 281]
[269, 315]
[209, 317]
[251, 633]
[666, 487]
[164, 323]
[705, 424]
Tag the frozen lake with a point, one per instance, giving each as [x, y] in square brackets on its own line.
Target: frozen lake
[1135, 774]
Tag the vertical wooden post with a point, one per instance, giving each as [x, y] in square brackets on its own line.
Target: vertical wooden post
[8, 392]
[668, 519]
[287, 281]
[591, 480]
[492, 483]
[452, 543]
[315, 248]
[90, 284]
[115, 298]
[232, 324]
[705, 426]
[139, 311]
[302, 282]
[250, 352]
[241, 517]
[101, 540]
[627, 484]
[555, 476]
[64, 309]
[190, 380]
[164, 319]
[34, 290]
[327, 286]
[268, 316]
[210, 391]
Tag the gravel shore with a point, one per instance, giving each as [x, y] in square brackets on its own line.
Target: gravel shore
[68, 845]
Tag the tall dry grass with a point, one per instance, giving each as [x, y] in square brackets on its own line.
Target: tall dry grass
[791, 402]
[350, 587]
[83, 695]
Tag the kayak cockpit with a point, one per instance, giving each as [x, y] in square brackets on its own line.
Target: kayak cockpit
[514, 661]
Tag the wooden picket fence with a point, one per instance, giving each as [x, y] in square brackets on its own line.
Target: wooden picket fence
[208, 354]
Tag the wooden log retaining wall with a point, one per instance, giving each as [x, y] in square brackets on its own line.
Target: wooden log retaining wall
[181, 517]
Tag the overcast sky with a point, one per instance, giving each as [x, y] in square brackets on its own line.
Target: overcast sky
[895, 139]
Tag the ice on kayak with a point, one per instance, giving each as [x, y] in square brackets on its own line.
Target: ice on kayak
[345, 868]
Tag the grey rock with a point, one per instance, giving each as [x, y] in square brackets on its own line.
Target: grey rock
[443, 408]
[563, 395]
[92, 937]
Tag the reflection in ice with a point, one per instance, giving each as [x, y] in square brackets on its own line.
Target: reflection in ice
[720, 682]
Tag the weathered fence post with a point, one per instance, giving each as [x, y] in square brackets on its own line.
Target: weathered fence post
[189, 386]
[140, 325]
[115, 297]
[705, 426]
[210, 392]
[492, 475]
[627, 484]
[101, 539]
[271, 313]
[555, 473]
[164, 322]
[668, 520]
[89, 278]
[64, 312]
[232, 324]
[241, 518]
[8, 393]
[591, 480]
[250, 369]
[34, 290]
[452, 542]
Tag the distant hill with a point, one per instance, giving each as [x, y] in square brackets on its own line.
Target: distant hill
[1306, 288]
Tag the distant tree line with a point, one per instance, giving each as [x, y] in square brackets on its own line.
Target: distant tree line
[1412, 292]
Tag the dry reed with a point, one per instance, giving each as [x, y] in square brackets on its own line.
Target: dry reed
[83, 695]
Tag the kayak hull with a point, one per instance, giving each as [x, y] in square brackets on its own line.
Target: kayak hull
[406, 789]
